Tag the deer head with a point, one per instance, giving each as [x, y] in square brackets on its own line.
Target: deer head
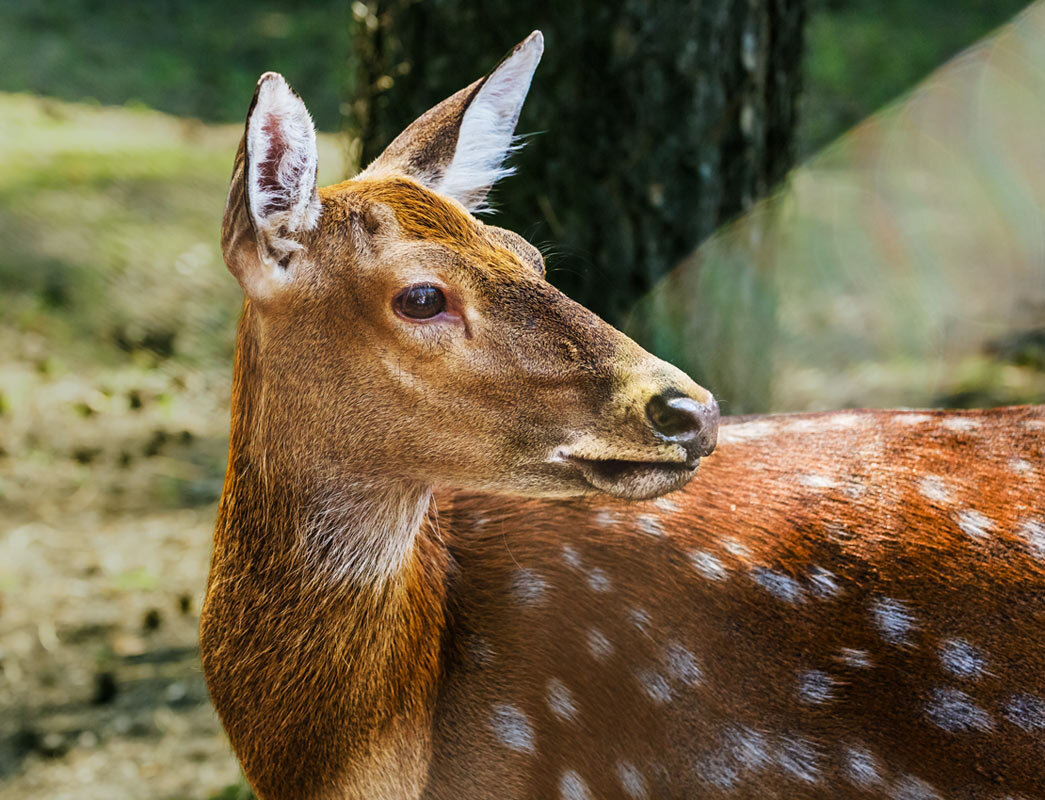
[397, 336]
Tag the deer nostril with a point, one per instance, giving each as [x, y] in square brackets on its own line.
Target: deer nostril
[685, 420]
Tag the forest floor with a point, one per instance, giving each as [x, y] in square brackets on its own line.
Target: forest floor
[108, 484]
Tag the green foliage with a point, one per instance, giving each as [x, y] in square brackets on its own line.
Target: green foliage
[134, 580]
[201, 59]
[197, 59]
[234, 791]
[863, 54]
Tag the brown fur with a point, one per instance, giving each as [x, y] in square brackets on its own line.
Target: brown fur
[370, 653]
[364, 640]
[324, 622]
[755, 506]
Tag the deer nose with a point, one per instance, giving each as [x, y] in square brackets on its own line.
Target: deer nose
[682, 419]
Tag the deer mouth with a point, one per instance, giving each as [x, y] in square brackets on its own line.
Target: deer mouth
[634, 480]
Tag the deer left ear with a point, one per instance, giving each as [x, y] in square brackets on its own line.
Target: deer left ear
[458, 147]
[281, 164]
[273, 194]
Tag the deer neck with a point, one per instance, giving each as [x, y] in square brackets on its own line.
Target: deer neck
[324, 608]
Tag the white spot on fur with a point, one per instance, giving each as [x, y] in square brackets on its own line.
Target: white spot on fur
[682, 665]
[606, 519]
[513, 728]
[975, 524]
[854, 490]
[816, 687]
[598, 580]
[960, 424]
[655, 686]
[817, 481]
[598, 645]
[560, 700]
[893, 619]
[631, 780]
[1033, 533]
[955, 712]
[707, 565]
[810, 425]
[1026, 711]
[640, 618]
[649, 524]
[933, 488]
[910, 788]
[844, 420]
[961, 659]
[742, 750]
[737, 548]
[747, 746]
[667, 505]
[799, 758]
[1021, 467]
[852, 657]
[824, 583]
[528, 588]
[861, 767]
[485, 135]
[781, 586]
[746, 431]
[912, 418]
[570, 557]
[573, 787]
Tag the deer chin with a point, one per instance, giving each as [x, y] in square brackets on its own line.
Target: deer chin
[633, 480]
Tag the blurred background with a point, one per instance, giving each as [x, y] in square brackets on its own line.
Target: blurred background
[808, 204]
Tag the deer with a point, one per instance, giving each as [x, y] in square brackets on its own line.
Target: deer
[474, 542]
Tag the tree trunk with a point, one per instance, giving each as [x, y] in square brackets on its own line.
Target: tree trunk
[658, 123]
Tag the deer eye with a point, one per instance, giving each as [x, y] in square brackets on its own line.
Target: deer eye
[422, 301]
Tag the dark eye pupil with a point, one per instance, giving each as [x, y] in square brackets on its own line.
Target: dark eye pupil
[422, 302]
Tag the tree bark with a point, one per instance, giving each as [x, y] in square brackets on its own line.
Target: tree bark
[658, 122]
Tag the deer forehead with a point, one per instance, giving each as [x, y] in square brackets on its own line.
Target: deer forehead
[421, 215]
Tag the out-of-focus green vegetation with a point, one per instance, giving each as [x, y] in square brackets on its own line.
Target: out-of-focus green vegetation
[194, 59]
[201, 59]
[97, 208]
[116, 310]
[109, 220]
[862, 54]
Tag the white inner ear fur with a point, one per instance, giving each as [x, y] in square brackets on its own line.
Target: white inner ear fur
[485, 136]
[281, 152]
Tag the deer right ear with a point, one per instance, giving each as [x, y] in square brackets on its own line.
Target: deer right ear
[273, 196]
[459, 146]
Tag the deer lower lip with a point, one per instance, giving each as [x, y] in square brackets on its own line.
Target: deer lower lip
[611, 468]
[634, 478]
